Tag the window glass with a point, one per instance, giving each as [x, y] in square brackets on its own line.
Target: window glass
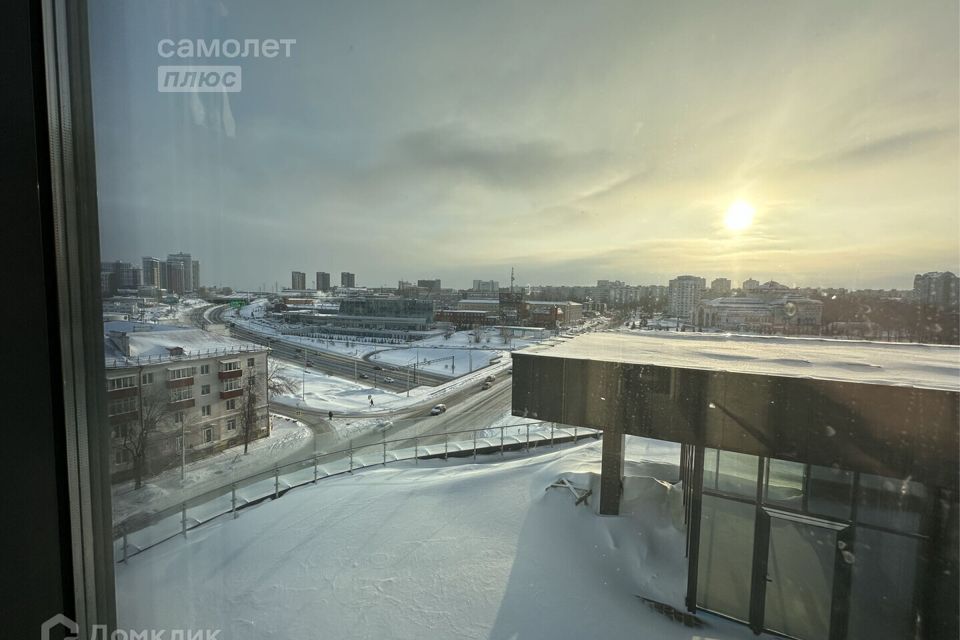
[352, 220]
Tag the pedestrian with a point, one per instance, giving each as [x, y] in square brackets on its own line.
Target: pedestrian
[330, 414]
[371, 402]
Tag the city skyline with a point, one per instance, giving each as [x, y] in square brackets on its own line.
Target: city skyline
[621, 157]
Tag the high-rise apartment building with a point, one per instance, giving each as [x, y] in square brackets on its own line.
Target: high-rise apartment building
[185, 261]
[750, 284]
[937, 289]
[151, 271]
[323, 281]
[195, 270]
[298, 280]
[348, 280]
[684, 293]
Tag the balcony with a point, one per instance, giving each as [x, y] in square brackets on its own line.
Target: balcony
[227, 375]
[180, 382]
[183, 404]
[122, 393]
[236, 393]
[126, 416]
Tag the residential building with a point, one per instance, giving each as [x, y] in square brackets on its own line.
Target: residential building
[176, 277]
[185, 262]
[298, 280]
[323, 281]
[684, 295]
[195, 269]
[749, 285]
[938, 290]
[200, 387]
[720, 286]
[348, 280]
[151, 271]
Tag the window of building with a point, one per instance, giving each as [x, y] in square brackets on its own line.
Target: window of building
[126, 382]
[229, 365]
[204, 389]
[178, 417]
[250, 362]
[205, 410]
[204, 369]
[232, 384]
[231, 404]
[181, 393]
[208, 435]
[231, 424]
[181, 373]
[121, 406]
[147, 378]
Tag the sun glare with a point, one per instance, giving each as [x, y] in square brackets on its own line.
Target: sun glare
[739, 216]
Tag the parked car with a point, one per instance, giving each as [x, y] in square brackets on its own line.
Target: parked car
[486, 385]
[489, 379]
[388, 379]
[364, 376]
[377, 367]
[438, 409]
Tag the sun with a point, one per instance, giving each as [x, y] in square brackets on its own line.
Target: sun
[739, 215]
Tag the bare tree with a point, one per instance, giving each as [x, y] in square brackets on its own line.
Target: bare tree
[248, 416]
[278, 383]
[154, 413]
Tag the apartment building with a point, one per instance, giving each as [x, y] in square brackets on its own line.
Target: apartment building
[177, 395]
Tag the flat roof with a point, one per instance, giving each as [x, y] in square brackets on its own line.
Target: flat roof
[884, 363]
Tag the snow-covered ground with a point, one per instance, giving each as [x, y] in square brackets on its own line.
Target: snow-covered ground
[443, 550]
[324, 392]
[436, 359]
[159, 492]
[327, 392]
[173, 313]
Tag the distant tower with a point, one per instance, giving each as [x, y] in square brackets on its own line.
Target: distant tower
[511, 279]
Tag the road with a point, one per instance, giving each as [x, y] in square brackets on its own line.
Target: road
[344, 366]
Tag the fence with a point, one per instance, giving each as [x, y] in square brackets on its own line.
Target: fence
[134, 361]
[143, 531]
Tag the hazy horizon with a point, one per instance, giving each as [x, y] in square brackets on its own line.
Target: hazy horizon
[575, 143]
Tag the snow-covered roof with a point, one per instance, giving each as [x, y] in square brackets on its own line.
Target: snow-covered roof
[155, 343]
[896, 364]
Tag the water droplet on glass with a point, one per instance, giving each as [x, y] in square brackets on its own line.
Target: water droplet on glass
[847, 556]
[712, 406]
[830, 431]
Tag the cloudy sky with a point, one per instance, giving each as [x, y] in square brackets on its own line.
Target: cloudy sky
[571, 140]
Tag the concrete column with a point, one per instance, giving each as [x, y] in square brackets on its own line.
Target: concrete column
[611, 472]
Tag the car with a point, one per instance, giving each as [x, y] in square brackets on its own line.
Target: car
[377, 367]
[489, 379]
[388, 379]
[364, 376]
[438, 409]
[486, 385]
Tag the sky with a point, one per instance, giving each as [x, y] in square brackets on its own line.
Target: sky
[573, 141]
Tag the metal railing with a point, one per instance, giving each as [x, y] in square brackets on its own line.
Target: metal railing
[124, 362]
[142, 531]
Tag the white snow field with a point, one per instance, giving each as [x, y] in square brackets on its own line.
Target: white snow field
[447, 550]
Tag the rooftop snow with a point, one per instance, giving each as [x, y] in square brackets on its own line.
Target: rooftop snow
[895, 364]
[157, 343]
